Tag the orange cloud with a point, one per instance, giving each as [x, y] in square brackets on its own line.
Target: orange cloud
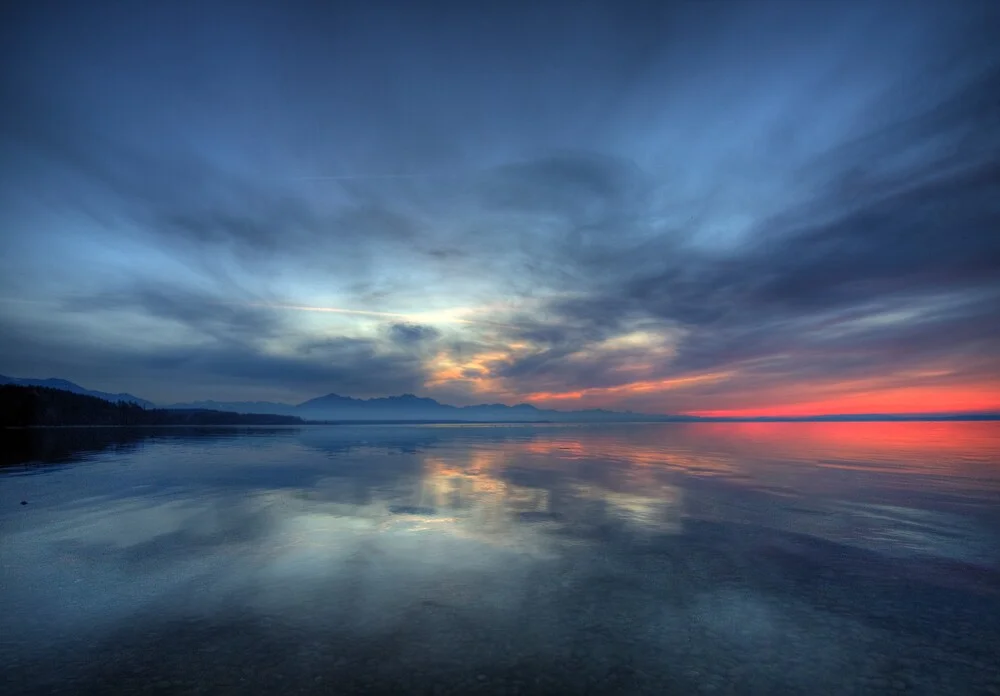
[633, 388]
[743, 390]
[473, 371]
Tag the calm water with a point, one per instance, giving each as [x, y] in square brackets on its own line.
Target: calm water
[625, 559]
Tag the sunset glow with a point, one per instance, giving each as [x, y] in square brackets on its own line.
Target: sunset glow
[656, 215]
[902, 400]
[637, 347]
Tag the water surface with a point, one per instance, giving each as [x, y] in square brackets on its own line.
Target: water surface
[730, 558]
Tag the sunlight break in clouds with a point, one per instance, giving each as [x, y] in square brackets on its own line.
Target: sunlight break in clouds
[662, 207]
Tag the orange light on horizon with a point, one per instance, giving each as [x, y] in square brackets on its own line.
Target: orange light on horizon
[640, 387]
[894, 400]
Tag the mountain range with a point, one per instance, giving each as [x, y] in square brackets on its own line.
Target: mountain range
[66, 385]
[340, 408]
[408, 407]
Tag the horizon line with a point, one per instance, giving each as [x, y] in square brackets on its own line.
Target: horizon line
[868, 416]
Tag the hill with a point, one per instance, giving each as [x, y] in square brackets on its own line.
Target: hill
[23, 406]
[66, 385]
[411, 408]
[408, 407]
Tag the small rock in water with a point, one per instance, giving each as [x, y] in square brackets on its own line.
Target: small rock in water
[24, 502]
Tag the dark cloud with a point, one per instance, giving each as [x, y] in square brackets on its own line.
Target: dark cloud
[584, 187]
[791, 193]
[227, 350]
[206, 314]
[905, 241]
[346, 366]
[184, 202]
[409, 334]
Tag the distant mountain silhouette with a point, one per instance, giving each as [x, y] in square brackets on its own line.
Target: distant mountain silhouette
[235, 406]
[409, 407]
[29, 405]
[66, 385]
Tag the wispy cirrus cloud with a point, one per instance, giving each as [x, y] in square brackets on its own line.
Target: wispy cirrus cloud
[648, 206]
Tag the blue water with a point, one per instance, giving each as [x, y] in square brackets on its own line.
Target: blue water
[623, 559]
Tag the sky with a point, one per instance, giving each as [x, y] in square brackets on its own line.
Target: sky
[729, 208]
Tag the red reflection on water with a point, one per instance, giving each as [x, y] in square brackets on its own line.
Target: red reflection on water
[857, 439]
[966, 449]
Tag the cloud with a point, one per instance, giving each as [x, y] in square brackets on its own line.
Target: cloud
[213, 315]
[586, 188]
[212, 342]
[409, 334]
[786, 197]
[905, 256]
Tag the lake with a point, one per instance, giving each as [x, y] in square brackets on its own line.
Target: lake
[723, 558]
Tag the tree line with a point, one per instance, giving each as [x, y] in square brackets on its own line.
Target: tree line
[25, 406]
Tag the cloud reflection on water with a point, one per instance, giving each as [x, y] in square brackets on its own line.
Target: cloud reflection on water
[543, 539]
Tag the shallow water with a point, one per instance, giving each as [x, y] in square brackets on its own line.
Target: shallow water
[663, 559]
